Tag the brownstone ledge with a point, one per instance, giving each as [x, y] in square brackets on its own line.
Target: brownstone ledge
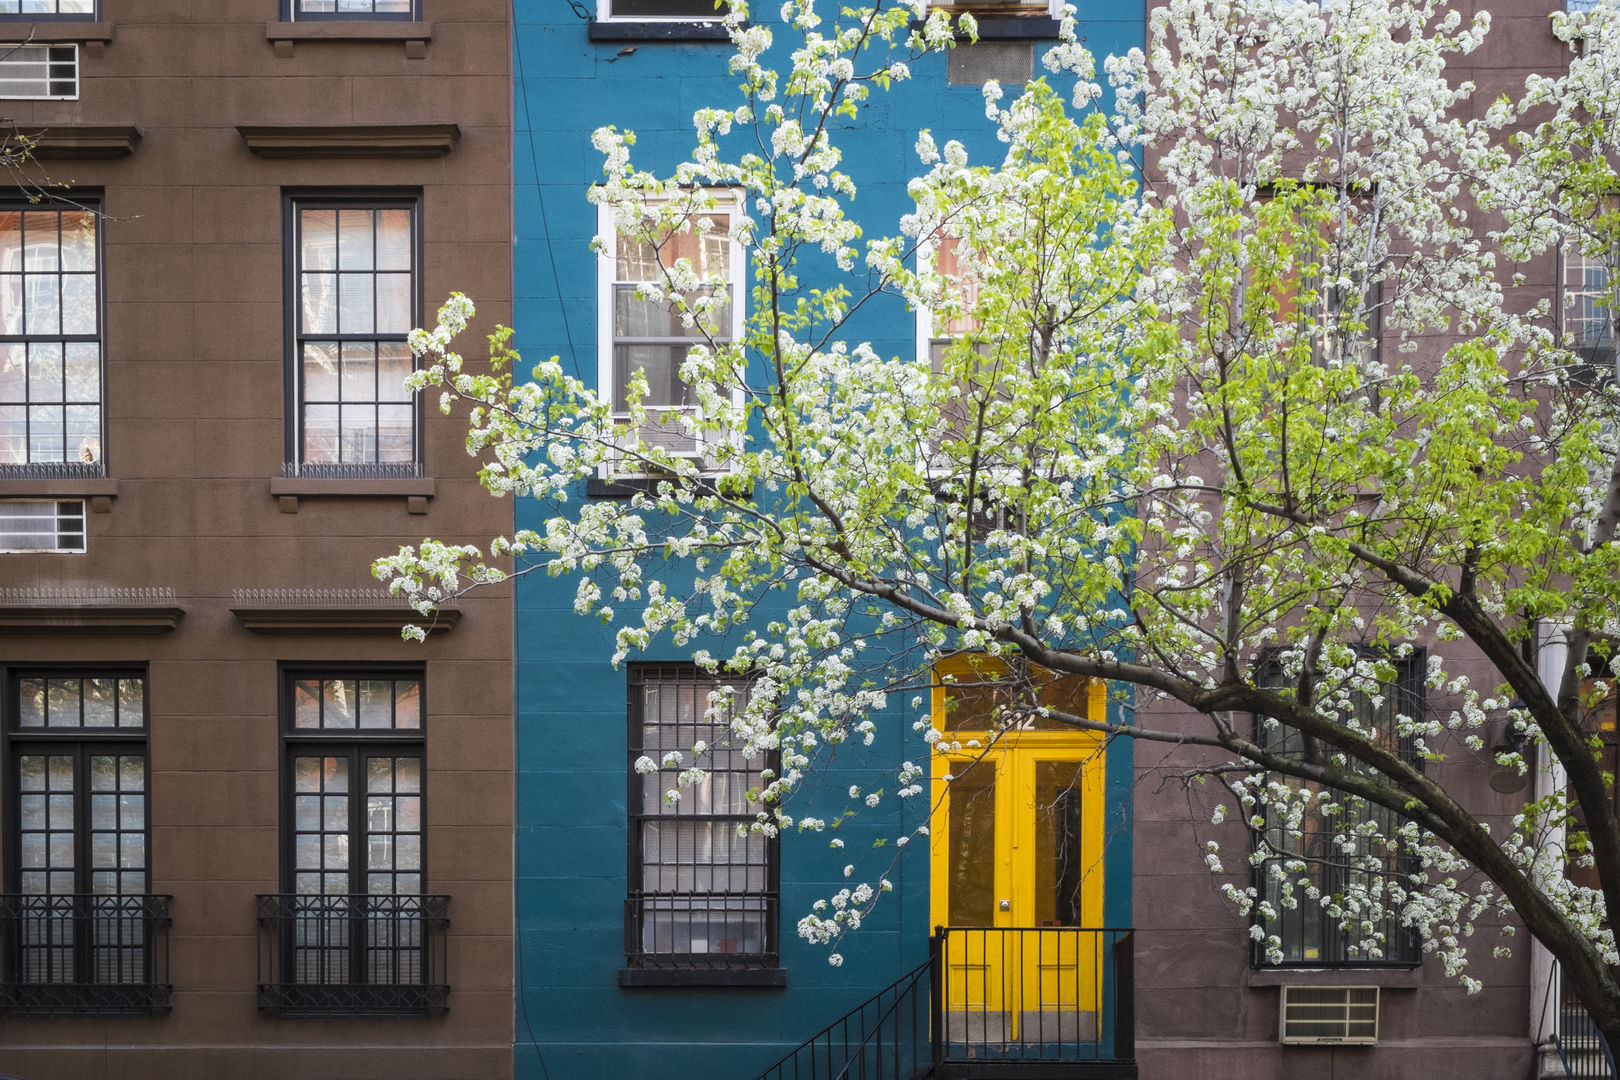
[284, 36]
[351, 140]
[363, 619]
[84, 140]
[56, 33]
[89, 618]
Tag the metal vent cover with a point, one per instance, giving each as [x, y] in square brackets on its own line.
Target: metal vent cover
[41, 525]
[39, 72]
[1341, 1015]
[1004, 61]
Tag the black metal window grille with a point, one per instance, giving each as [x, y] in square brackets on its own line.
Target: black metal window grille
[1336, 856]
[50, 339]
[47, 10]
[407, 10]
[356, 932]
[79, 919]
[355, 298]
[703, 885]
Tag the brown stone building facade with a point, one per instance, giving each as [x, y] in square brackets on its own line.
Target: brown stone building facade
[1208, 1004]
[233, 801]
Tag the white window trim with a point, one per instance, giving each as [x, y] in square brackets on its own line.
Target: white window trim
[604, 13]
[729, 204]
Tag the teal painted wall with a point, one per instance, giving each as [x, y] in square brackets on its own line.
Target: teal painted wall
[574, 1022]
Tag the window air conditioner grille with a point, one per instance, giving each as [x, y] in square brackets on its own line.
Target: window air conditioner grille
[41, 525]
[35, 72]
[1346, 1015]
[1011, 62]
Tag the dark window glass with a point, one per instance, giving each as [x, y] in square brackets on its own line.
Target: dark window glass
[1329, 856]
[703, 885]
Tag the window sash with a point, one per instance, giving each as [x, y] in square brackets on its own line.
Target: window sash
[700, 889]
[49, 10]
[344, 10]
[51, 357]
[1310, 936]
[354, 295]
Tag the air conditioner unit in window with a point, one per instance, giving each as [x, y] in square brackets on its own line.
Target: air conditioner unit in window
[665, 431]
[37, 72]
[1339, 1015]
[41, 525]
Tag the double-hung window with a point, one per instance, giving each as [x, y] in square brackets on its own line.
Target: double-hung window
[356, 930]
[644, 329]
[301, 10]
[82, 932]
[703, 883]
[1329, 863]
[354, 293]
[1586, 306]
[50, 340]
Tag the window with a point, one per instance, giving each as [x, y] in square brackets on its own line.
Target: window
[660, 10]
[50, 341]
[1586, 314]
[355, 931]
[703, 886]
[80, 927]
[47, 10]
[299, 10]
[42, 525]
[639, 334]
[998, 7]
[354, 295]
[1328, 856]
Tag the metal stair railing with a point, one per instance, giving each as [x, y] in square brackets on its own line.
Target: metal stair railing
[1582, 1050]
[886, 1037]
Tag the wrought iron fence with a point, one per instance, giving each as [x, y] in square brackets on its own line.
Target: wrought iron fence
[1037, 1001]
[84, 953]
[353, 953]
[1047, 994]
[1582, 1049]
[359, 470]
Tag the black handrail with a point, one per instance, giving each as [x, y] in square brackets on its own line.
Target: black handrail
[1582, 1049]
[353, 953]
[885, 1037]
[84, 953]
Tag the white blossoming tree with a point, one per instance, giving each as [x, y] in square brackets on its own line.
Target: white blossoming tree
[1241, 431]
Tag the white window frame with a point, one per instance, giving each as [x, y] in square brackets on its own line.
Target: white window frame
[70, 527]
[729, 203]
[604, 13]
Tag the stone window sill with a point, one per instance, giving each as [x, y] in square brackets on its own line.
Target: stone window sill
[415, 492]
[284, 36]
[99, 493]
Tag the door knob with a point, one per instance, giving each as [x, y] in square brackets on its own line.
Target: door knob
[1006, 905]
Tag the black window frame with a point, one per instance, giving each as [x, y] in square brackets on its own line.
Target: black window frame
[88, 201]
[1404, 948]
[94, 15]
[133, 925]
[290, 13]
[295, 200]
[346, 926]
[646, 967]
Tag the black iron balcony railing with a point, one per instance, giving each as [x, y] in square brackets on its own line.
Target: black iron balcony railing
[1042, 1003]
[353, 954]
[84, 954]
[1583, 1052]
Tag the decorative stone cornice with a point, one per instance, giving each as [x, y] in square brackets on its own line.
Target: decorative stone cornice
[350, 140]
[89, 610]
[296, 611]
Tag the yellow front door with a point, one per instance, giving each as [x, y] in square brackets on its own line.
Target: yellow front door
[1017, 840]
